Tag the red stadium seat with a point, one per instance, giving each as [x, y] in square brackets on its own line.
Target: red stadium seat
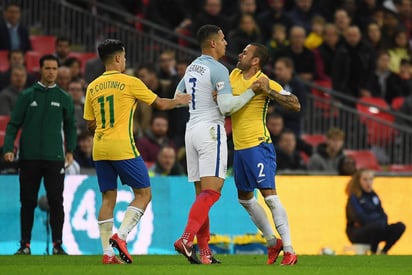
[378, 132]
[44, 44]
[83, 57]
[32, 61]
[4, 61]
[4, 120]
[2, 135]
[313, 139]
[364, 159]
[397, 102]
[400, 168]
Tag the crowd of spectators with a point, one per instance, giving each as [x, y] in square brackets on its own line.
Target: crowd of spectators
[361, 47]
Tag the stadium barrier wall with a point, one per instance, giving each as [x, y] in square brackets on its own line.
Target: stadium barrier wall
[315, 206]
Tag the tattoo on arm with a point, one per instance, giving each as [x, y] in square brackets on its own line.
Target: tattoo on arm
[290, 102]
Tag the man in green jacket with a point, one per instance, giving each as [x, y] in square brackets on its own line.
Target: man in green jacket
[45, 115]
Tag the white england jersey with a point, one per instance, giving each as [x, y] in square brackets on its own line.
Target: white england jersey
[203, 76]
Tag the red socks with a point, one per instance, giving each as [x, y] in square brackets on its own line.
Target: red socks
[199, 213]
[203, 235]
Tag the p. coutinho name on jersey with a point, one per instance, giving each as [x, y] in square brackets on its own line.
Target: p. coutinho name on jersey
[109, 85]
[197, 68]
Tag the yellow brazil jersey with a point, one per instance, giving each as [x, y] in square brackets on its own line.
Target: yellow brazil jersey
[111, 100]
[249, 123]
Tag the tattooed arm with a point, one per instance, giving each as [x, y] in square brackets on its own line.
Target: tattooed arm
[286, 99]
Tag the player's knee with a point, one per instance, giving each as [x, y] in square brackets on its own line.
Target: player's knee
[248, 203]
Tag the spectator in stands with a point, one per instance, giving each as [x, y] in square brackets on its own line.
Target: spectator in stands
[302, 14]
[342, 20]
[64, 76]
[76, 90]
[167, 67]
[374, 36]
[274, 123]
[389, 28]
[245, 7]
[315, 36]
[365, 11]
[328, 155]
[74, 64]
[8, 96]
[405, 78]
[278, 39]
[353, 66]
[168, 13]
[211, 14]
[385, 83]
[325, 53]
[245, 33]
[94, 68]
[405, 14]
[147, 73]
[400, 50]
[275, 15]
[155, 138]
[287, 155]
[15, 57]
[84, 149]
[166, 164]
[284, 74]
[346, 166]
[13, 34]
[367, 221]
[303, 58]
[63, 49]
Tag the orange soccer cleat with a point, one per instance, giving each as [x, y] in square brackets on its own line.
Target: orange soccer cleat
[121, 245]
[187, 250]
[111, 260]
[273, 251]
[289, 259]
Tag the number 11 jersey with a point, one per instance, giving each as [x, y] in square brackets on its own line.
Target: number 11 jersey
[111, 100]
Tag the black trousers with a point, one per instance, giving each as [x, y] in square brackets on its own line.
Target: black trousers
[376, 232]
[31, 174]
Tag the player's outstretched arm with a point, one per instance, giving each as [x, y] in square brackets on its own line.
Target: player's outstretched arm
[180, 99]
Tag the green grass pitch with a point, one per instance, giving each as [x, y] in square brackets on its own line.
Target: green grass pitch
[231, 264]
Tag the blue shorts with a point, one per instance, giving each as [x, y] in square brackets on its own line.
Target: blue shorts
[132, 172]
[255, 167]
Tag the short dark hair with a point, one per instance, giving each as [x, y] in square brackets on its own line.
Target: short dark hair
[205, 32]
[12, 4]
[262, 53]
[70, 61]
[147, 66]
[63, 39]
[11, 52]
[48, 57]
[108, 48]
[287, 61]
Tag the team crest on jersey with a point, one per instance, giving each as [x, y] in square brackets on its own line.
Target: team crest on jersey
[220, 85]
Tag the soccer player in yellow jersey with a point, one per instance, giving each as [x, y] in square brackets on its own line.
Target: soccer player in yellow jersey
[111, 100]
[254, 156]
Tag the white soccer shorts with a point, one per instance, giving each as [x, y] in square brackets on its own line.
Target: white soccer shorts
[206, 151]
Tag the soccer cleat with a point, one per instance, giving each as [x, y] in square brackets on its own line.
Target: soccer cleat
[121, 245]
[206, 257]
[24, 249]
[111, 260]
[273, 251]
[187, 250]
[58, 250]
[289, 259]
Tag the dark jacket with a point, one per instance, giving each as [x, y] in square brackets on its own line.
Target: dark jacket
[321, 161]
[5, 44]
[364, 210]
[285, 161]
[353, 68]
[46, 117]
[149, 146]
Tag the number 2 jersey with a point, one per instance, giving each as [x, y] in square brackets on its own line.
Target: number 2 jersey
[203, 76]
[111, 101]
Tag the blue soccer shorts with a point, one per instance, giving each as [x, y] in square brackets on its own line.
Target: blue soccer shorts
[132, 172]
[255, 167]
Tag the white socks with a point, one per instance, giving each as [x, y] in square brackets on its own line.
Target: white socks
[131, 218]
[106, 228]
[258, 216]
[281, 221]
